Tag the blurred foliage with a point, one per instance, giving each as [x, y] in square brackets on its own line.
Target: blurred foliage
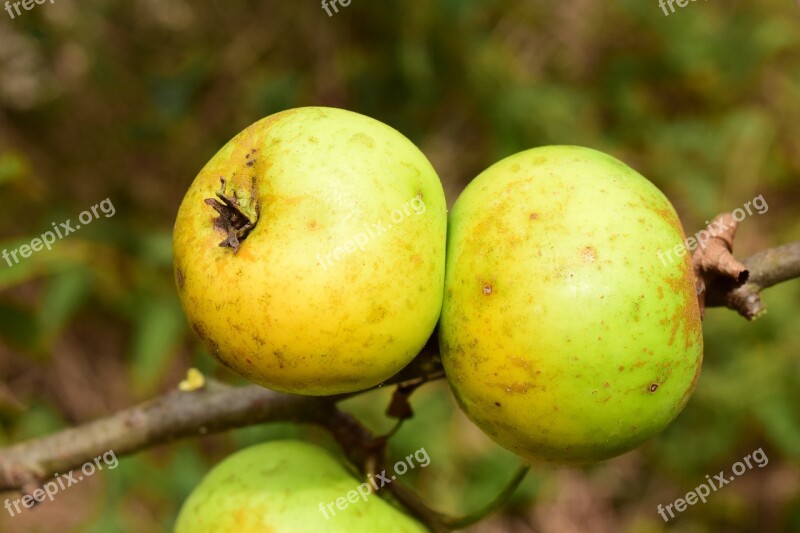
[128, 100]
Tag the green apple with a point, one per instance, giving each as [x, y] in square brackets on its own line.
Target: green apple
[309, 252]
[287, 487]
[565, 335]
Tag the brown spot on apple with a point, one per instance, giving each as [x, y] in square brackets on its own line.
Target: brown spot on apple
[362, 139]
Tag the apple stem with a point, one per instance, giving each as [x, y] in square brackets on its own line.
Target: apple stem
[494, 505]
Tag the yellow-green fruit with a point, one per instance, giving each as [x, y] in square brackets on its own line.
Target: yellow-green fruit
[567, 334]
[287, 487]
[330, 276]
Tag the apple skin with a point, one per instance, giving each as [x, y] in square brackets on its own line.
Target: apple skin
[277, 487]
[564, 336]
[312, 302]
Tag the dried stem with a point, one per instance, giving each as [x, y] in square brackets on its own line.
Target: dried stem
[722, 281]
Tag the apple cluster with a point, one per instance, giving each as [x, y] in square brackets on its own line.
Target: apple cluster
[562, 335]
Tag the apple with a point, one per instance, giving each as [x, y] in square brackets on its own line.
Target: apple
[564, 336]
[287, 487]
[309, 252]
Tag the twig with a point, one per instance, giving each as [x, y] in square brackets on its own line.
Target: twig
[173, 416]
[368, 452]
[492, 506]
[212, 409]
[722, 281]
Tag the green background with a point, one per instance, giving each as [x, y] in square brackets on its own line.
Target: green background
[128, 100]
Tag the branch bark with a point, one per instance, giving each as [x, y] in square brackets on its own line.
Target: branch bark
[765, 269]
[176, 415]
[722, 281]
[217, 407]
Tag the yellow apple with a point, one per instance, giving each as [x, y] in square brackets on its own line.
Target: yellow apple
[309, 252]
[287, 487]
[565, 335]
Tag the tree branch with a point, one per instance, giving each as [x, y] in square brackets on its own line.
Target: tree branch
[722, 281]
[774, 266]
[213, 409]
[217, 408]
[176, 415]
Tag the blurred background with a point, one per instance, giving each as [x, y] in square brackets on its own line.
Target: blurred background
[126, 101]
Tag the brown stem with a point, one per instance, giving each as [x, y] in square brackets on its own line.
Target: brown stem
[722, 281]
[172, 416]
[212, 409]
[774, 266]
[369, 453]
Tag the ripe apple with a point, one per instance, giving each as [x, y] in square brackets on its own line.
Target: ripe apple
[309, 252]
[564, 336]
[283, 487]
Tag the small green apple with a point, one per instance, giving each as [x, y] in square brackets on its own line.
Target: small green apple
[309, 252]
[286, 487]
[565, 335]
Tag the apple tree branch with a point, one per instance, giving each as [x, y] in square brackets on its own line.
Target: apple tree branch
[214, 407]
[722, 281]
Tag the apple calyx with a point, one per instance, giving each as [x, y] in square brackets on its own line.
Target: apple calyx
[238, 214]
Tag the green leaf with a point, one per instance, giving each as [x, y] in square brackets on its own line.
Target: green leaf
[65, 294]
[13, 167]
[159, 329]
[157, 248]
[18, 326]
[781, 424]
[38, 420]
